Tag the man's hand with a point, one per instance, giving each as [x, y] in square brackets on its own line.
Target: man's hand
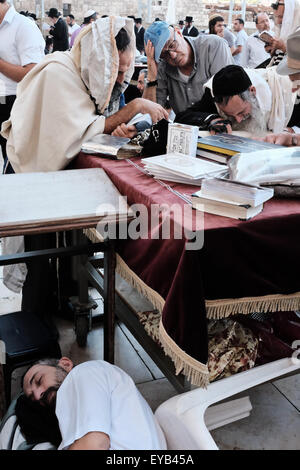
[152, 65]
[274, 45]
[156, 111]
[125, 131]
[287, 139]
[219, 125]
[138, 105]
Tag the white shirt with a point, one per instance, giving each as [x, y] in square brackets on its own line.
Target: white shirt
[21, 43]
[240, 40]
[99, 397]
[254, 53]
[71, 29]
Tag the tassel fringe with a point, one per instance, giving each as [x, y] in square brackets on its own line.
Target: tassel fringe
[196, 372]
[223, 308]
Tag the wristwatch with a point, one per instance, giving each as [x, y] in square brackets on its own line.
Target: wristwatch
[153, 83]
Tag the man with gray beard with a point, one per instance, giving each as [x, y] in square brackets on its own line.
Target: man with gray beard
[238, 99]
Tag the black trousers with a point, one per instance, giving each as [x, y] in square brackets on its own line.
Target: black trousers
[48, 285]
[6, 103]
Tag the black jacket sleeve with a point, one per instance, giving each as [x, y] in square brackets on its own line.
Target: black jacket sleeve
[295, 118]
[196, 114]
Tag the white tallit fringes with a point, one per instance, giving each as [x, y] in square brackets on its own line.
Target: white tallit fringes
[223, 308]
[14, 275]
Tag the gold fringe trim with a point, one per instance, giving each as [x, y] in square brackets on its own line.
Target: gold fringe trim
[129, 276]
[223, 308]
[196, 372]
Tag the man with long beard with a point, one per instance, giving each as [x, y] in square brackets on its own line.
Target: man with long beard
[255, 101]
[97, 406]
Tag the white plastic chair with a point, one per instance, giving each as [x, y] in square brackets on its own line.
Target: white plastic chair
[182, 417]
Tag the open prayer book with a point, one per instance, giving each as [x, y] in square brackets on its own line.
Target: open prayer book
[182, 168]
[59, 200]
[110, 146]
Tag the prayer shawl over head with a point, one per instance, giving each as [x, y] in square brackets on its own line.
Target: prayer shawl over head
[274, 96]
[55, 111]
[290, 21]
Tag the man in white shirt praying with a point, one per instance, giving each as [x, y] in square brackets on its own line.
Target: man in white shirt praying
[254, 53]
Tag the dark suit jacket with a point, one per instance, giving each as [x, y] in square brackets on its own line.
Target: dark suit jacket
[193, 32]
[60, 36]
[140, 39]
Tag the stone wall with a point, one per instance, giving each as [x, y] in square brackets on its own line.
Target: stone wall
[197, 8]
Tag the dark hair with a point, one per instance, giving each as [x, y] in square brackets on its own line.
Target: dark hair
[240, 20]
[212, 23]
[2, 1]
[122, 40]
[71, 16]
[38, 422]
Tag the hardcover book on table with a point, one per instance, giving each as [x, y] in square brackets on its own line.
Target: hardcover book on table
[230, 144]
[110, 146]
[224, 208]
[235, 191]
[182, 165]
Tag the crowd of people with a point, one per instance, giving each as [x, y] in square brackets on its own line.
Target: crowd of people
[50, 105]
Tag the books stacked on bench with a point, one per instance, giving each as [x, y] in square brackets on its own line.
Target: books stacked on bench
[229, 198]
[221, 147]
[181, 168]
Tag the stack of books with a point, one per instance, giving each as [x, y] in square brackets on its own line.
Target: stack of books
[181, 168]
[104, 145]
[231, 198]
[221, 147]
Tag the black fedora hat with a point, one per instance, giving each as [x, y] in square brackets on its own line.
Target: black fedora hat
[189, 19]
[53, 13]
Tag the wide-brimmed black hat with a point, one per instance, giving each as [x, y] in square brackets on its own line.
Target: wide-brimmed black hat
[189, 19]
[231, 80]
[53, 13]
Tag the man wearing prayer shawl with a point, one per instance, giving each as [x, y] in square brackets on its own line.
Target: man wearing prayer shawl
[66, 99]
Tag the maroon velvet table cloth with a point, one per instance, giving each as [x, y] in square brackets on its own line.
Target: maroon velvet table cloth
[238, 259]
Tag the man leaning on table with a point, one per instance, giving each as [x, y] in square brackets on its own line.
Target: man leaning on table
[76, 95]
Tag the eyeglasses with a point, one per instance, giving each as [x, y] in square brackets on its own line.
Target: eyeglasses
[165, 53]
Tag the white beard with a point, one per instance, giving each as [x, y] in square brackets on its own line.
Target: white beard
[256, 124]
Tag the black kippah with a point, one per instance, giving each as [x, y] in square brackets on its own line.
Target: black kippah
[231, 80]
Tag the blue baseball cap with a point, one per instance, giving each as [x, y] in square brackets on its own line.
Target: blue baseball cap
[158, 33]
